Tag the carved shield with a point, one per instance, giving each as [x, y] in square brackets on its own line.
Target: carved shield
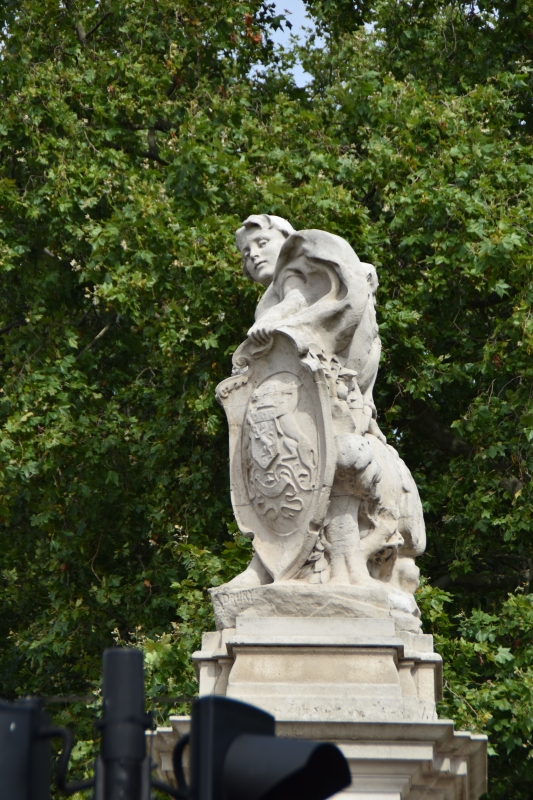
[281, 469]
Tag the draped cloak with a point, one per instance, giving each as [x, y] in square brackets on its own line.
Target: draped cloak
[322, 297]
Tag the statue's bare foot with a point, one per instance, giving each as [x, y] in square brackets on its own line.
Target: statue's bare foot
[359, 574]
[254, 575]
[339, 581]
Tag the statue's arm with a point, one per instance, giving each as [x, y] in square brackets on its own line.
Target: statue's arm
[270, 299]
[288, 308]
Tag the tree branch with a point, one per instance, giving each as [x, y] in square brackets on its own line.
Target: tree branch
[428, 423]
[486, 581]
[29, 359]
[143, 154]
[80, 33]
[97, 338]
[493, 299]
[173, 86]
[152, 148]
[163, 125]
[95, 27]
[512, 484]
[148, 154]
[17, 324]
[80, 30]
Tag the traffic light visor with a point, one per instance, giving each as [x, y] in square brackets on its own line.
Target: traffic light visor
[271, 768]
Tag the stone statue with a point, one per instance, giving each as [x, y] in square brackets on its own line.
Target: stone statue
[327, 501]
[322, 629]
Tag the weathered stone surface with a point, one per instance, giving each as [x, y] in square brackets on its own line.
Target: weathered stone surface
[299, 599]
[327, 501]
[323, 668]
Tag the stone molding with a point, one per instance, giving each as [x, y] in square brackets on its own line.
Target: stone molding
[323, 668]
[388, 760]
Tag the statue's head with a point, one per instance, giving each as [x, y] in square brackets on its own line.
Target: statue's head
[260, 239]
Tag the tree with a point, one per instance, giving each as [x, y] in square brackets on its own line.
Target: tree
[134, 139]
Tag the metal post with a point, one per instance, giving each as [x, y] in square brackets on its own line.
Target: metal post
[123, 725]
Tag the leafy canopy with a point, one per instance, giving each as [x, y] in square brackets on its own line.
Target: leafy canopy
[134, 138]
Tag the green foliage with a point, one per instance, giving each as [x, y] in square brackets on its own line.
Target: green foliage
[488, 678]
[133, 140]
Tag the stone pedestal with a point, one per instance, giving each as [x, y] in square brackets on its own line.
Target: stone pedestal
[294, 599]
[323, 669]
[364, 684]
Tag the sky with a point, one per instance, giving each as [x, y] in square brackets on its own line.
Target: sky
[295, 12]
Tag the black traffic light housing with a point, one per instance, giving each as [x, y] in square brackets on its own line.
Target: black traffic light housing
[268, 768]
[216, 722]
[25, 751]
[235, 755]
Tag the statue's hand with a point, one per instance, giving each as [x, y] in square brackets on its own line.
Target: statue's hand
[260, 333]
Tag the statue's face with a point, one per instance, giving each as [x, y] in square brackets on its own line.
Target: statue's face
[260, 253]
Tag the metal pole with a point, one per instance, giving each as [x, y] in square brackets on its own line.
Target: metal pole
[123, 723]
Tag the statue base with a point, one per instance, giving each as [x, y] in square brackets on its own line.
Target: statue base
[364, 684]
[297, 599]
[388, 760]
[334, 669]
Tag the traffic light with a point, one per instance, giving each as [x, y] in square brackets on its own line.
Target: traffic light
[25, 752]
[235, 755]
